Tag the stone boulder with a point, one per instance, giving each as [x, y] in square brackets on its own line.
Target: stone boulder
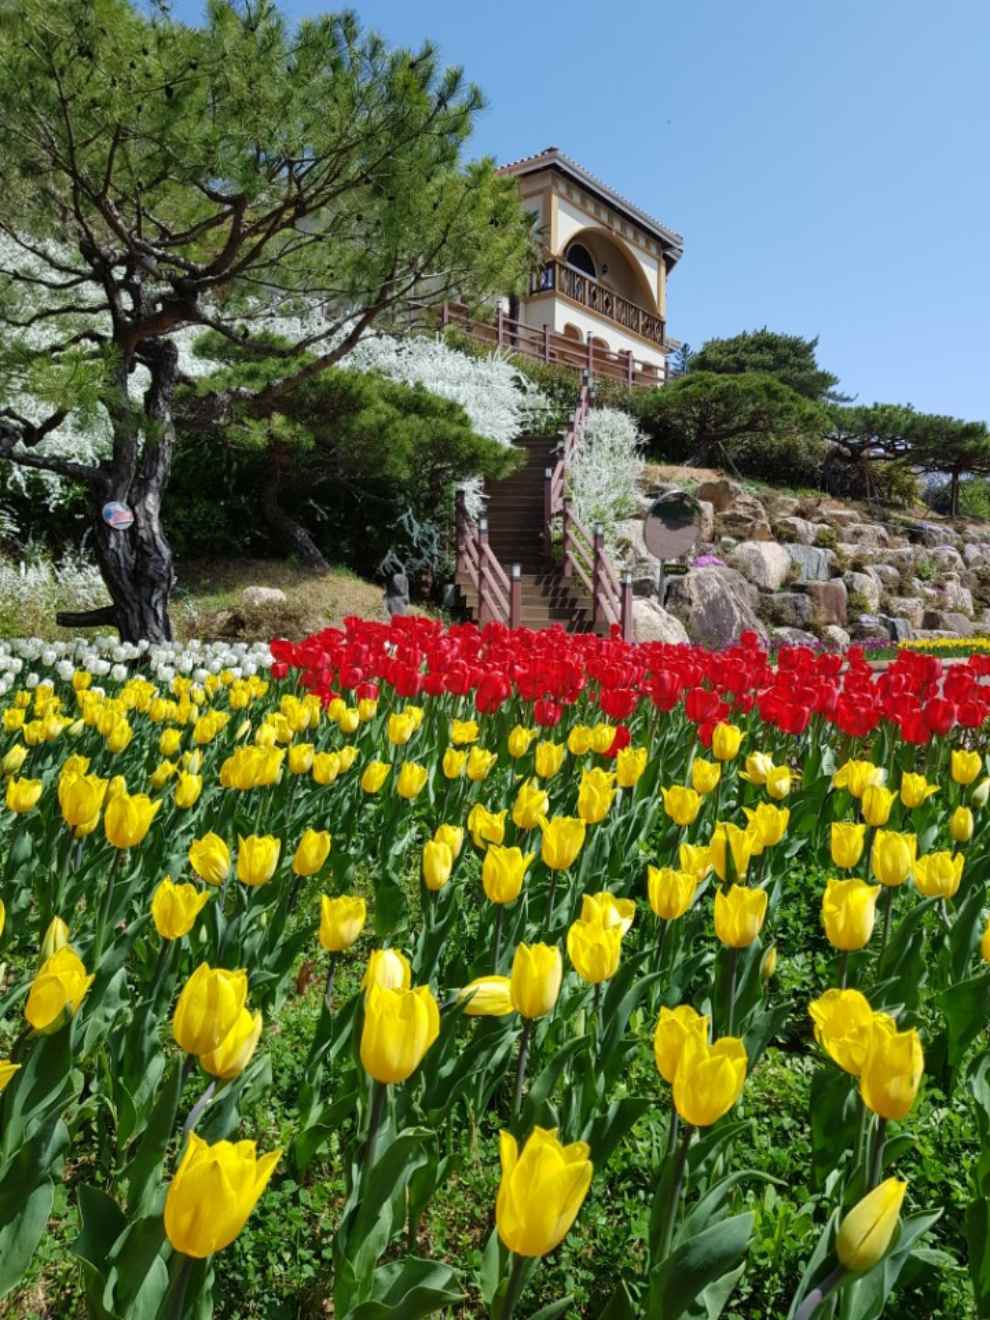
[947, 559]
[944, 621]
[707, 532]
[911, 608]
[953, 596]
[798, 530]
[887, 573]
[812, 564]
[793, 637]
[764, 563]
[737, 513]
[652, 623]
[835, 638]
[829, 602]
[872, 535]
[715, 605]
[867, 586]
[258, 596]
[789, 609]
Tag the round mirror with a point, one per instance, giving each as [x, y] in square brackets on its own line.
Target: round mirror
[673, 525]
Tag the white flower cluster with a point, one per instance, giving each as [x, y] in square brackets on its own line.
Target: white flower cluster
[28, 661]
[605, 470]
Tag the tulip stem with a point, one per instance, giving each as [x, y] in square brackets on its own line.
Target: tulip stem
[733, 968]
[328, 992]
[379, 1094]
[844, 969]
[164, 958]
[515, 1287]
[197, 1110]
[521, 1067]
[499, 918]
[876, 1163]
[670, 1216]
[888, 904]
[176, 1299]
[817, 1295]
[660, 939]
[597, 998]
[101, 929]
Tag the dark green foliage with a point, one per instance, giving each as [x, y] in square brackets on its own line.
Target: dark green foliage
[788, 358]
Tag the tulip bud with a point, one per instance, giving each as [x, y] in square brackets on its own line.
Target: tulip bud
[630, 764]
[237, 1048]
[671, 892]
[695, 859]
[729, 842]
[985, 943]
[709, 1079]
[400, 728]
[915, 790]
[487, 996]
[486, 826]
[867, 1230]
[779, 781]
[479, 764]
[325, 768]
[503, 871]
[541, 1191]
[257, 858]
[14, 759]
[843, 1026]
[454, 763]
[965, 766]
[388, 968]
[857, 776]
[187, 790]
[892, 1069]
[705, 775]
[341, 921]
[594, 951]
[893, 856]
[563, 839]
[374, 776]
[530, 805]
[23, 795]
[312, 851]
[81, 798]
[605, 910]
[847, 841]
[56, 937]
[209, 857]
[208, 1008]
[300, 760]
[726, 741]
[848, 912]
[348, 721]
[537, 971]
[548, 758]
[399, 1027]
[128, 818]
[674, 1028]
[739, 915]
[214, 1190]
[170, 743]
[7, 1071]
[875, 804]
[463, 732]
[595, 794]
[411, 780]
[347, 756]
[580, 739]
[758, 766]
[769, 964]
[960, 825]
[174, 908]
[681, 804]
[57, 990]
[452, 836]
[519, 741]
[768, 823]
[981, 793]
[438, 862]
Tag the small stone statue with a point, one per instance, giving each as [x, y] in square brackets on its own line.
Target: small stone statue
[396, 593]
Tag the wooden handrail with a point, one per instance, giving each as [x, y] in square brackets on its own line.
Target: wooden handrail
[558, 277]
[499, 599]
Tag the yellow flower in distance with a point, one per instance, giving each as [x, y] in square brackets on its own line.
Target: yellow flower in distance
[257, 858]
[237, 1048]
[604, 909]
[58, 989]
[848, 912]
[13, 759]
[681, 804]
[374, 775]
[843, 1022]
[486, 826]
[341, 921]
[170, 743]
[541, 1190]
[768, 823]
[464, 731]
[892, 1069]
[965, 766]
[187, 790]
[674, 1028]
[726, 741]
[399, 1027]
[961, 825]
[214, 1190]
[868, 1229]
[479, 764]
[326, 767]
[300, 759]
[487, 996]
[629, 766]
[209, 857]
[411, 780]
[595, 795]
[739, 915]
[875, 804]
[916, 790]
[387, 968]
[779, 782]
[537, 971]
[452, 836]
[519, 741]
[208, 1008]
[594, 950]
[400, 729]
[728, 841]
[563, 839]
[893, 856]
[454, 763]
[438, 862]
[709, 1079]
[548, 758]
[856, 776]
[705, 775]
[81, 799]
[758, 766]
[23, 795]
[580, 740]
[531, 803]
[670, 892]
[847, 843]
[311, 852]
[174, 908]
[937, 874]
[503, 871]
[695, 858]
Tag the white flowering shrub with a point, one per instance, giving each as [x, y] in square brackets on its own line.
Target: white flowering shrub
[31, 593]
[605, 470]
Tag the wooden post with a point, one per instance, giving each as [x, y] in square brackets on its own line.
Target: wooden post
[591, 356]
[546, 342]
[460, 525]
[596, 571]
[627, 608]
[568, 567]
[547, 508]
[629, 370]
[515, 596]
[444, 316]
[484, 613]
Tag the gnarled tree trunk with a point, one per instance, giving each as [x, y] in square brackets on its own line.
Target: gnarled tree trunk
[292, 536]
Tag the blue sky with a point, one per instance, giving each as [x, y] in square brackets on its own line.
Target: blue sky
[826, 160]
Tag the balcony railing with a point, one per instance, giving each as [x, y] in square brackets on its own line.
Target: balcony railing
[556, 277]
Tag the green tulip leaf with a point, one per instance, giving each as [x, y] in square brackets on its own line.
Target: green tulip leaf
[21, 1229]
[977, 1226]
[553, 1310]
[138, 1277]
[408, 1289]
[835, 1119]
[143, 1174]
[677, 1282]
[965, 1008]
[620, 1306]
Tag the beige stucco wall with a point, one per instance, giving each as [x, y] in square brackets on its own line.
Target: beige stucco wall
[572, 219]
[557, 313]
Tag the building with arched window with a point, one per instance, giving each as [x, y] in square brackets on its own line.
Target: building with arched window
[604, 277]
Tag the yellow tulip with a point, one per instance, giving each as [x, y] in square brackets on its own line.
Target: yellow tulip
[937, 874]
[57, 990]
[681, 804]
[487, 996]
[237, 1048]
[726, 741]
[209, 857]
[848, 912]
[705, 775]
[23, 795]
[709, 1079]
[3, 916]
[563, 839]
[214, 1190]
[960, 825]
[670, 892]
[7, 1071]
[341, 921]
[915, 790]
[170, 743]
[119, 736]
[347, 756]
[13, 760]
[117, 787]
[257, 858]
[187, 790]
[965, 766]
[768, 823]
[728, 841]
[893, 856]
[875, 804]
[675, 1027]
[857, 776]
[464, 731]
[867, 1230]
[208, 1008]
[843, 1025]
[739, 915]
[128, 818]
[985, 943]
[779, 781]
[758, 766]
[452, 836]
[847, 843]
[438, 862]
[399, 1027]
[374, 776]
[13, 719]
[486, 826]
[537, 971]
[594, 951]
[81, 799]
[174, 908]
[892, 1069]
[695, 858]
[595, 795]
[531, 803]
[604, 909]
[411, 780]
[548, 758]
[56, 937]
[580, 740]
[454, 763]
[301, 757]
[602, 738]
[541, 1190]
[311, 852]
[769, 964]
[981, 793]
[503, 871]
[326, 767]
[387, 968]
[629, 766]
[400, 729]
[519, 741]
[416, 713]
[479, 764]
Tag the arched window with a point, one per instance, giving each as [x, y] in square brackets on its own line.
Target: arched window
[571, 331]
[579, 257]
